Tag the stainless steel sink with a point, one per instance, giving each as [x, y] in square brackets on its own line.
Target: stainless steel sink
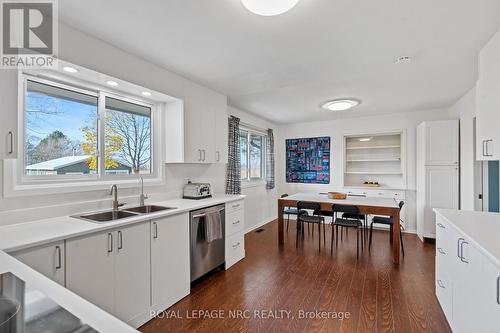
[147, 209]
[106, 216]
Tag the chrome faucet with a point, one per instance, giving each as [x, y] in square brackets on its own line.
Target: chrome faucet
[114, 193]
[142, 196]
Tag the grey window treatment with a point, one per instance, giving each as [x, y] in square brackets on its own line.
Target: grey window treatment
[233, 173]
[270, 160]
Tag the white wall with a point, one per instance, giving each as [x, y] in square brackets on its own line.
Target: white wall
[261, 205]
[465, 110]
[336, 129]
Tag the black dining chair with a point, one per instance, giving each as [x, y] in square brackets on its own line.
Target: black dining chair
[304, 217]
[289, 211]
[346, 222]
[387, 221]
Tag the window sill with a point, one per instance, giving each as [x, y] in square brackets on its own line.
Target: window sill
[252, 183]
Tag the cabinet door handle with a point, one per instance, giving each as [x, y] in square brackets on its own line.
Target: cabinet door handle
[440, 250]
[440, 284]
[11, 142]
[204, 155]
[459, 248]
[498, 290]
[155, 230]
[199, 158]
[487, 146]
[110, 242]
[237, 222]
[218, 155]
[236, 245]
[59, 257]
[120, 240]
[462, 252]
[441, 226]
[484, 145]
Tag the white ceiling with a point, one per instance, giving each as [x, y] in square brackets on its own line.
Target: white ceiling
[283, 67]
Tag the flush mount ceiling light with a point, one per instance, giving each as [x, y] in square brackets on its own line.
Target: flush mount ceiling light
[269, 7]
[70, 69]
[112, 83]
[403, 60]
[146, 93]
[340, 104]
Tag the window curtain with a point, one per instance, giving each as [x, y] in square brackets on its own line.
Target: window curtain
[270, 160]
[233, 174]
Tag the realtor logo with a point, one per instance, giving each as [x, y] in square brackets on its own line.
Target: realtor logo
[29, 34]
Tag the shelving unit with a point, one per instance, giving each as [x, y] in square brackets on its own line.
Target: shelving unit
[375, 158]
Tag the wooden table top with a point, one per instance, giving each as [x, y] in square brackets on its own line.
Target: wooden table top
[350, 200]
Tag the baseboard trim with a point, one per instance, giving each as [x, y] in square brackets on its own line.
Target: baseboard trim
[258, 225]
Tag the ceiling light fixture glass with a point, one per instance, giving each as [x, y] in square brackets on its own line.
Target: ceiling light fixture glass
[269, 7]
[70, 69]
[366, 139]
[146, 93]
[340, 104]
[112, 83]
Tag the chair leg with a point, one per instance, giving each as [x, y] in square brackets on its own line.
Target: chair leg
[341, 233]
[402, 245]
[319, 236]
[357, 245]
[331, 243]
[297, 234]
[371, 234]
[336, 235]
[362, 237]
[287, 222]
[324, 233]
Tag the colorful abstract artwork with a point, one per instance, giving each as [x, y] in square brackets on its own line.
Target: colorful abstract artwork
[308, 160]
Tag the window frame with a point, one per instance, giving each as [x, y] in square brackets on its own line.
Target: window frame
[100, 176]
[255, 180]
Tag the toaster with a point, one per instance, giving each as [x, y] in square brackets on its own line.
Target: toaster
[196, 191]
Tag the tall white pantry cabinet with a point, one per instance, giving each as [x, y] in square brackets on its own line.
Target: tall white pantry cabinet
[437, 172]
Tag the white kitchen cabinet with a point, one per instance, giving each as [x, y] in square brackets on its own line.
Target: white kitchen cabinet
[8, 113]
[488, 101]
[112, 270]
[235, 233]
[442, 142]
[490, 282]
[132, 273]
[90, 268]
[170, 270]
[204, 135]
[48, 260]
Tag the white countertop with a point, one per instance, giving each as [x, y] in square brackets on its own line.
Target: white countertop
[350, 200]
[25, 235]
[86, 311]
[482, 228]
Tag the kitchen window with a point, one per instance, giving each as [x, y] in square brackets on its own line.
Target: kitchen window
[73, 133]
[253, 155]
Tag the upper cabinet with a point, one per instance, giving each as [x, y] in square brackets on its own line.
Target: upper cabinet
[442, 142]
[204, 123]
[488, 102]
[8, 113]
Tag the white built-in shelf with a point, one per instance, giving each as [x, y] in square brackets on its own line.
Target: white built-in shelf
[372, 173]
[376, 160]
[373, 147]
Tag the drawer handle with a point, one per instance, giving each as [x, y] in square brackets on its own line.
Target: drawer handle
[155, 230]
[441, 226]
[236, 245]
[236, 206]
[11, 140]
[440, 284]
[59, 257]
[237, 222]
[498, 290]
[441, 250]
[462, 252]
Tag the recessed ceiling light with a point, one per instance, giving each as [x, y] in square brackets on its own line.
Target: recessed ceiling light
[70, 69]
[269, 8]
[403, 60]
[146, 93]
[112, 83]
[340, 104]
[365, 139]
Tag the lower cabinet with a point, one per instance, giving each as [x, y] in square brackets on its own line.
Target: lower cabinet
[170, 270]
[235, 233]
[47, 260]
[467, 282]
[112, 270]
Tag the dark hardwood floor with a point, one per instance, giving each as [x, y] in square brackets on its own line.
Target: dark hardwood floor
[377, 295]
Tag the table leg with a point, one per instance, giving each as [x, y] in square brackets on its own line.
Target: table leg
[280, 223]
[396, 229]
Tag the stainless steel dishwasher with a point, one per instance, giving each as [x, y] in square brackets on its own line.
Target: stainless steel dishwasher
[205, 256]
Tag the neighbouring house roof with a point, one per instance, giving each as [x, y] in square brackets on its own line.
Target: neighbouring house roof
[58, 163]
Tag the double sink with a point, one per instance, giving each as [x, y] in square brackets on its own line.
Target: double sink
[113, 215]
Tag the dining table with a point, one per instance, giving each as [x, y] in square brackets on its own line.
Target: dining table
[366, 205]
